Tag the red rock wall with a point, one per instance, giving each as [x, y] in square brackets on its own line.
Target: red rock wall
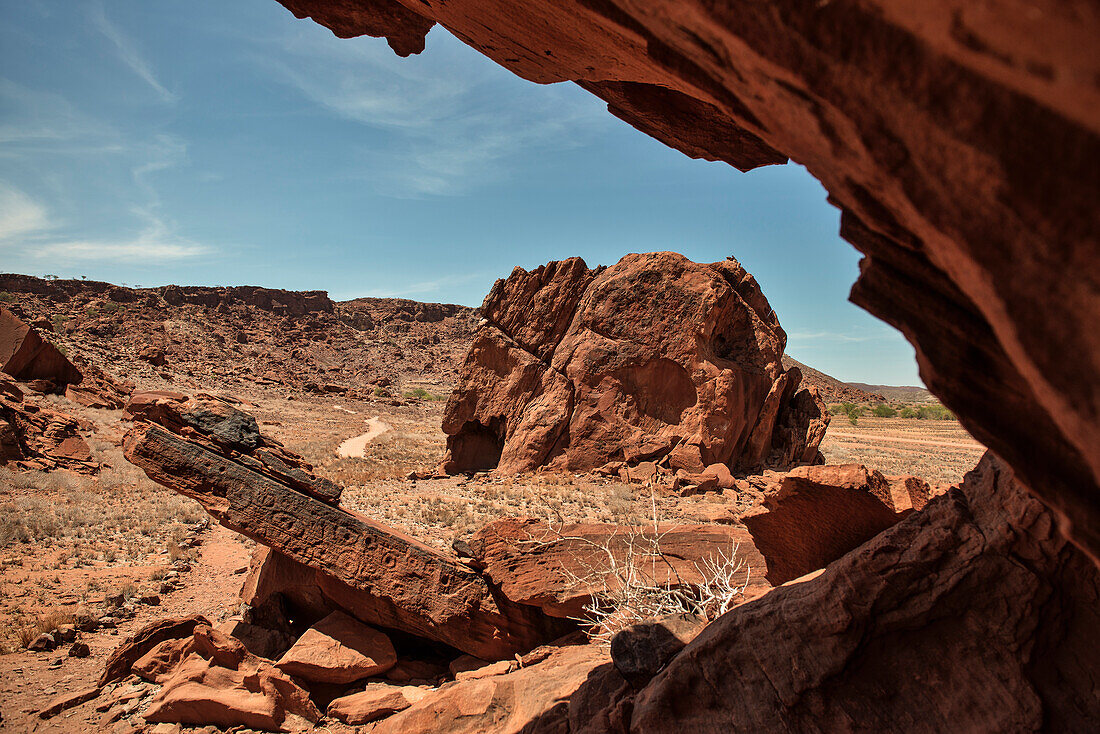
[959, 140]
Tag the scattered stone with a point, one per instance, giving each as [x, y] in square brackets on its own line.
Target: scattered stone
[65, 633]
[43, 643]
[339, 649]
[378, 701]
[69, 701]
[79, 650]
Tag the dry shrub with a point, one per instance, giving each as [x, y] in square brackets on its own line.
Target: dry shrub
[635, 581]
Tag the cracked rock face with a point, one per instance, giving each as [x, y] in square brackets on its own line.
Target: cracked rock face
[958, 139]
[656, 358]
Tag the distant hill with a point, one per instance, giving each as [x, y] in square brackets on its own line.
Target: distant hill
[834, 391]
[894, 394]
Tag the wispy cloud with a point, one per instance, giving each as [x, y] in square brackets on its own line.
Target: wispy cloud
[827, 336]
[28, 231]
[429, 286]
[128, 53]
[439, 127]
[37, 117]
[19, 214]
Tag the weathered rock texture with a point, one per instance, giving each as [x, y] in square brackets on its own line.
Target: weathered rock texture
[27, 356]
[972, 615]
[813, 515]
[656, 358]
[35, 437]
[959, 140]
[210, 678]
[559, 568]
[369, 570]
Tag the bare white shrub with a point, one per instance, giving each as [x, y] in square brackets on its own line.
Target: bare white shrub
[632, 580]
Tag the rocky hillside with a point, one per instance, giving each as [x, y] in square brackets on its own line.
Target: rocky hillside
[833, 390]
[228, 336]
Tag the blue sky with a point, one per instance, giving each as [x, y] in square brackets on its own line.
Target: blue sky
[230, 143]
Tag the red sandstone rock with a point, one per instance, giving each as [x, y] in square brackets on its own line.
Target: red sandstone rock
[339, 649]
[141, 642]
[210, 678]
[359, 566]
[230, 428]
[532, 698]
[558, 569]
[813, 515]
[33, 436]
[377, 701]
[972, 615]
[656, 358]
[26, 356]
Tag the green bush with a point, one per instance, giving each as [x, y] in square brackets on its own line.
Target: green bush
[381, 392]
[853, 419]
[836, 409]
[908, 412]
[882, 410]
[420, 393]
[6, 297]
[934, 412]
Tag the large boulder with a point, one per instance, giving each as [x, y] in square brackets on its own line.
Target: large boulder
[656, 358]
[558, 568]
[339, 649]
[27, 356]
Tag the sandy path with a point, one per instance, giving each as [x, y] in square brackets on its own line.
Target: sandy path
[899, 439]
[357, 445]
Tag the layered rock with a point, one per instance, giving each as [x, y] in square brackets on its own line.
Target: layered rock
[970, 615]
[367, 569]
[918, 121]
[656, 358]
[35, 437]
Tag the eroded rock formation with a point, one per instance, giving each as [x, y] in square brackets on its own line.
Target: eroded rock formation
[654, 359]
[970, 615]
[959, 140]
